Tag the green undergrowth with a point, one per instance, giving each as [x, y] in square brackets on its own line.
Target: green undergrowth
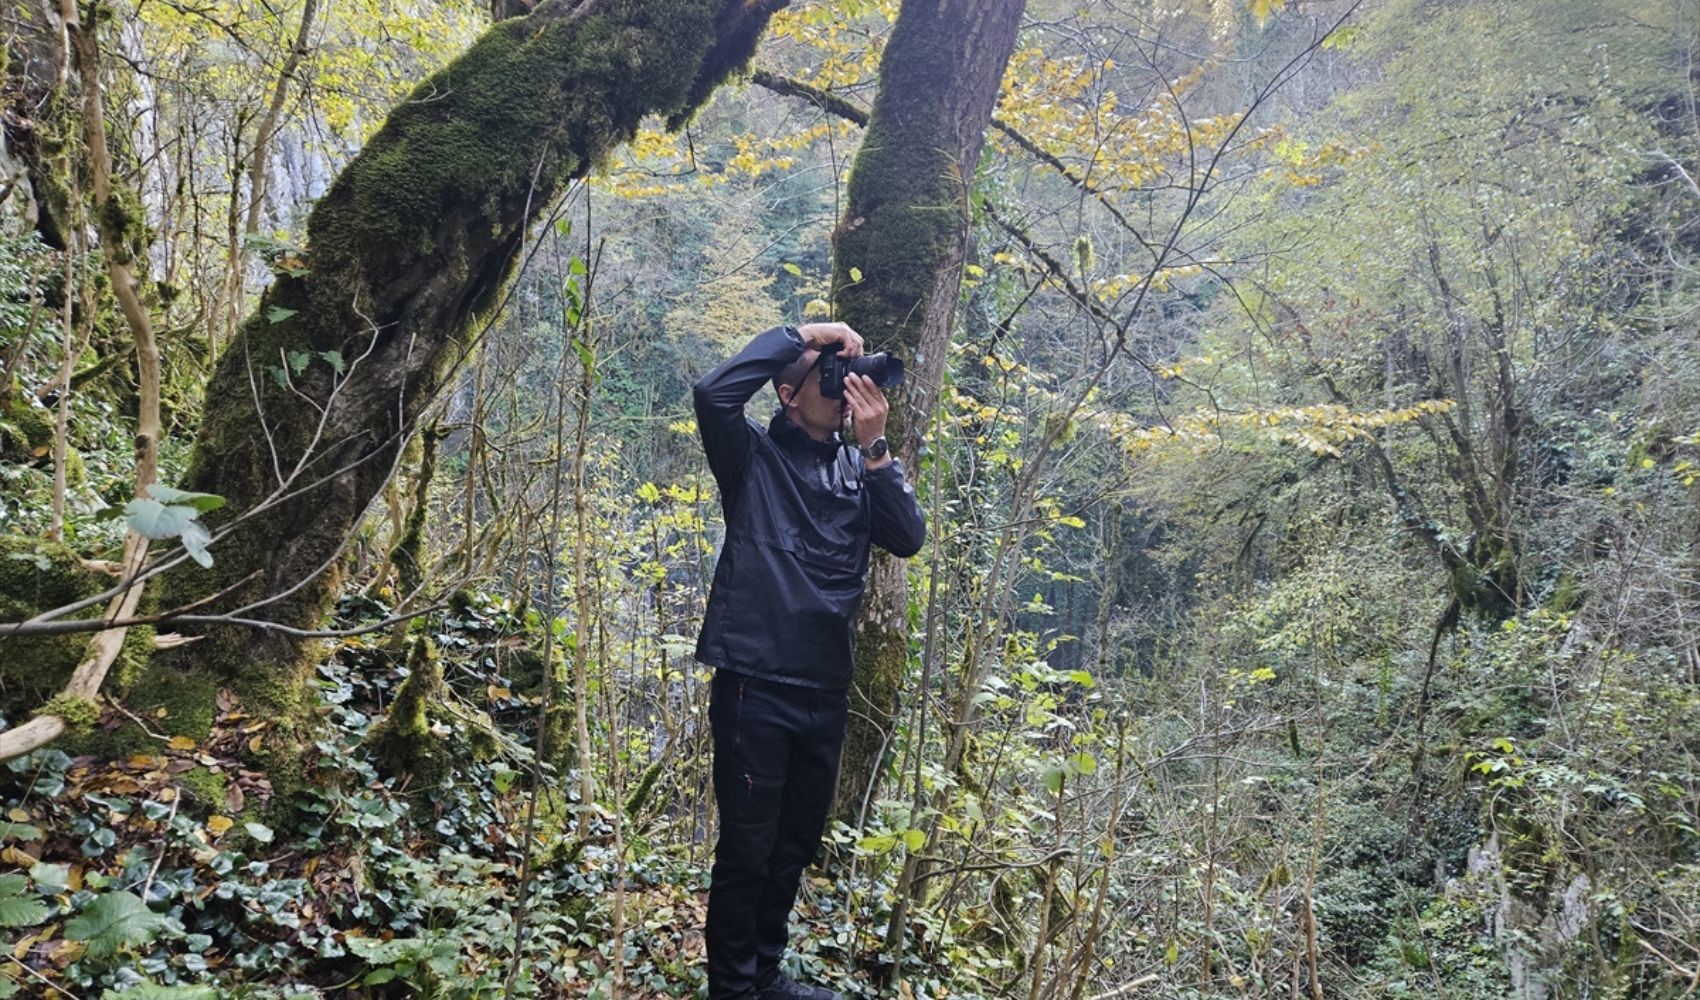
[179, 870]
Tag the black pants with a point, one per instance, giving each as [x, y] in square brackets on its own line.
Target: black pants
[775, 767]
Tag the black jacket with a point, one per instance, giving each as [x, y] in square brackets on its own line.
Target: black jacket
[800, 515]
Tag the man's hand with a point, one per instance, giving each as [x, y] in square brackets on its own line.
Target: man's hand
[868, 409]
[818, 335]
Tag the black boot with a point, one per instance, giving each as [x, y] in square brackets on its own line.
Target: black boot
[784, 987]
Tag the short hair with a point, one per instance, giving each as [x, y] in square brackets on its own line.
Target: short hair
[794, 373]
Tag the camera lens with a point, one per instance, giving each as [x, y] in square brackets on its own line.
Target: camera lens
[883, 368]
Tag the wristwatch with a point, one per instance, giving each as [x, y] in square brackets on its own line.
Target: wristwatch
[877, 450]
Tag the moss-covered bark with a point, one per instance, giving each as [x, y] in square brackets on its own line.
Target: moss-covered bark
[404, 743]
[36, 575]
[415, 239]
[905, 230]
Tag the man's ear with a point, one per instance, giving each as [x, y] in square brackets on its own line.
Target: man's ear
[786, 393]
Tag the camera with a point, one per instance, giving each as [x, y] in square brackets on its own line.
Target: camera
[885, 369]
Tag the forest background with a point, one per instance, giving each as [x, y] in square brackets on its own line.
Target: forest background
[1310, 602]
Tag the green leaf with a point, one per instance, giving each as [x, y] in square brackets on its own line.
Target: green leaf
[114, 921]
[153, 991]
[259, 831]
[298, 361]
[277, 314]
[202, 502]
[157, 520]
[914, 839]
[20, 831]
[855, 274]
[16, 908]
[792, 269]
[334, 359]
[576, 266]
[881, 843]
[1053, 779]
[586, 356]
[50, 878]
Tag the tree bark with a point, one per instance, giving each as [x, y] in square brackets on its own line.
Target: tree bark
[905, 232]
[308, 409]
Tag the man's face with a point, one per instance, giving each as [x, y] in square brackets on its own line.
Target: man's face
[810, 410]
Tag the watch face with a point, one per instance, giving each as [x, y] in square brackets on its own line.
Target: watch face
[878, 448]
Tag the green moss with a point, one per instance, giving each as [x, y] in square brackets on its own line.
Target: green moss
[79, 713]
[204, 787]
[418, 237]
[403, 743]
[37, 575]
[175, 702]
[123, 232]
[26, 429]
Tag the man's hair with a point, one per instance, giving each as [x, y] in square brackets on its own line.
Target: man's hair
[794, 373]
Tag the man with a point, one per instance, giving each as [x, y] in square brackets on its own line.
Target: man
[801, 509]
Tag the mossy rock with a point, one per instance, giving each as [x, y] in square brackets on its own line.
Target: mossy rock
[26, 430]
[37, 575]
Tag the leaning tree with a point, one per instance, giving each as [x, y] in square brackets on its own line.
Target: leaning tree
[309, 409]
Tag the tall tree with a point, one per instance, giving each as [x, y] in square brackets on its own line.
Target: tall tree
[418, 236]
[897, 268]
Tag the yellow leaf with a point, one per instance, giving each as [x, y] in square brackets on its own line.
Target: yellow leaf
[168, 794]
[181, 743]
[18, 815]
[254, 745]
[22, 947]
[160, 713]
[217, 825]
[23, 859]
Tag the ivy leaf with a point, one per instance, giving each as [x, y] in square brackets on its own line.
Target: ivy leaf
[50, 878]
[277, 314]
[114, 921]
[298, 361]
[334, 359]
[259, 831]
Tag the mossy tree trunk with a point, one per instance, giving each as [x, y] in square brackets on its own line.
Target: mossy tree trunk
[905, 230]
[310, 406]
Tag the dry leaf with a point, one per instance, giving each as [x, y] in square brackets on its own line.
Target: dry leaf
[234, 798]
[180, 743]
[23, 859]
